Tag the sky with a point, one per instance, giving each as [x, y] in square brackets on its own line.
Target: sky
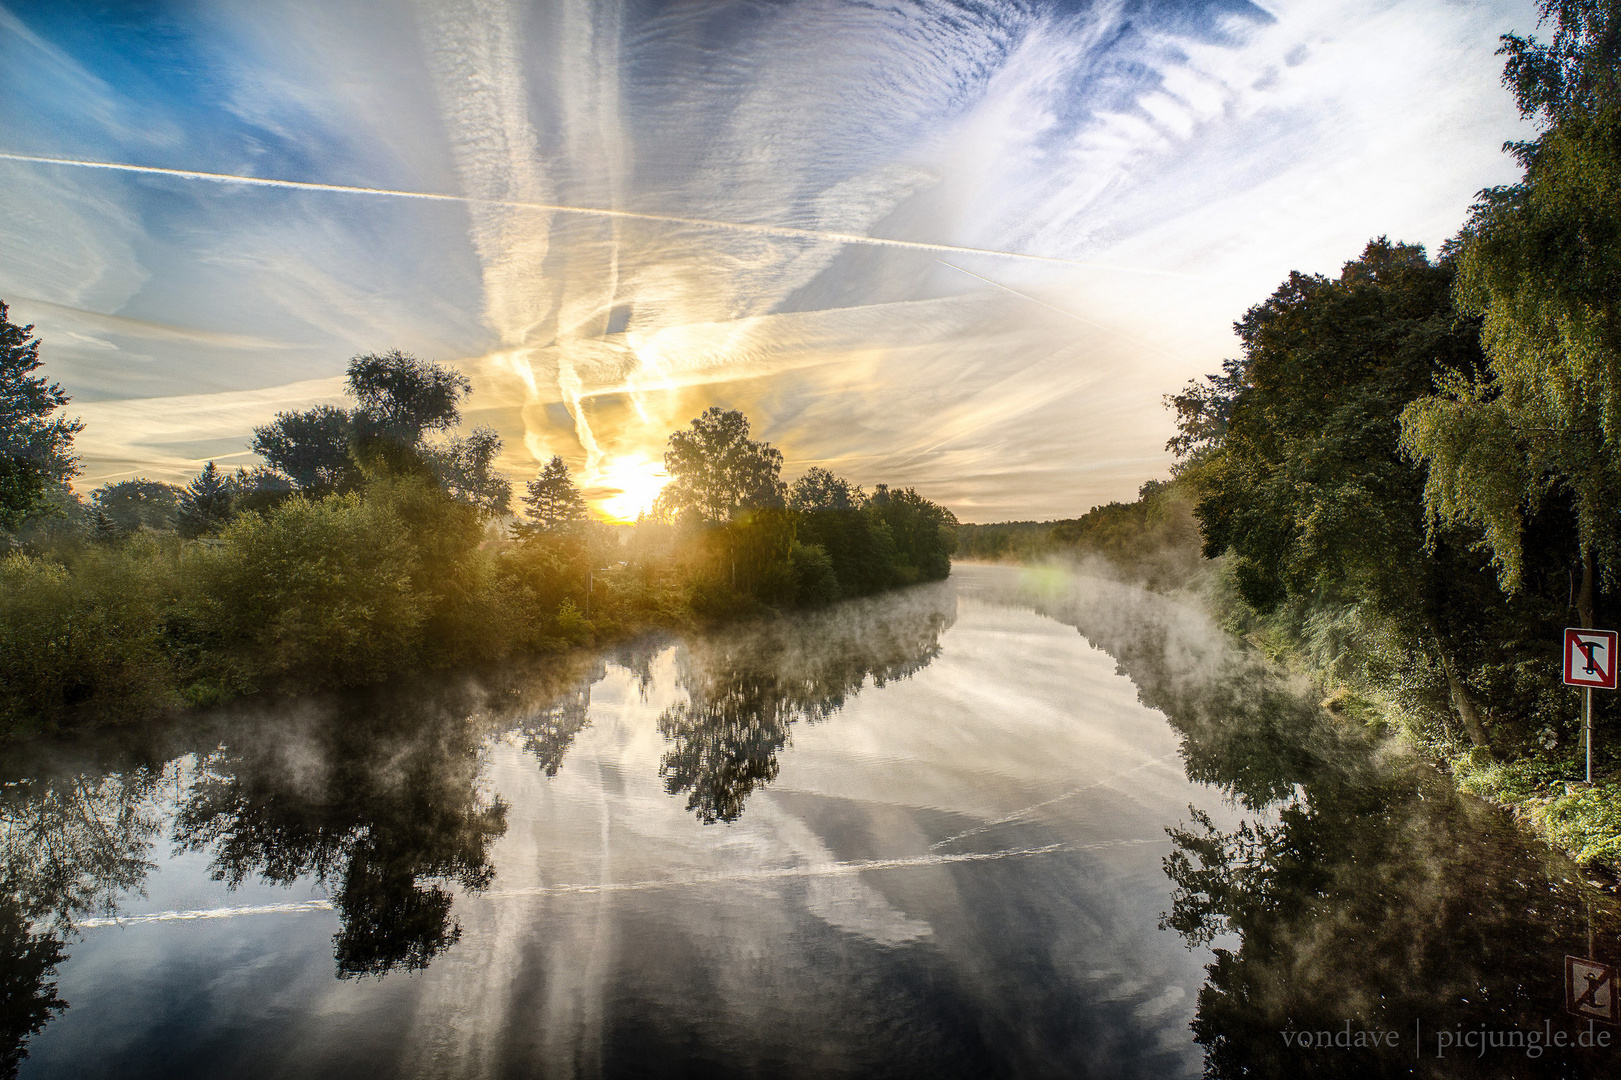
[648, 208]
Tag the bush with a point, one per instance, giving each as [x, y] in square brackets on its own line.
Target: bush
[321, 590]
[86, 640]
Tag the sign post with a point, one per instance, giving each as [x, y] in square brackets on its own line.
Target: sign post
[1590, 662]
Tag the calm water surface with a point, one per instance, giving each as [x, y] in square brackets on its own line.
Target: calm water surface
[938, 834]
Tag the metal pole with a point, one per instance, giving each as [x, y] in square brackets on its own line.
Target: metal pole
[1587, 715]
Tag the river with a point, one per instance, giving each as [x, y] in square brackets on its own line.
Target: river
[1015, 824]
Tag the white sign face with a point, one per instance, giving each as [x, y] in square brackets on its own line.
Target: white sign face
[1590, 658]
[1590, 990]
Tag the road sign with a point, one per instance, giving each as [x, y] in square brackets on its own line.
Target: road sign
[1590, 990]
[1590, 658]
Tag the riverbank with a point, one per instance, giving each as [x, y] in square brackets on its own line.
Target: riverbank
[1365, 675]
[1539, 789]
[399, 578]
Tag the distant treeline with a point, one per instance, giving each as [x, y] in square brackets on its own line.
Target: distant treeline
[371, 544]
[1154, 540]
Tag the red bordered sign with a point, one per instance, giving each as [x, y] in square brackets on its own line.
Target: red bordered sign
[1590, 658]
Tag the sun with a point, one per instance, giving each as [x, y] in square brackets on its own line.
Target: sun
[624, 486]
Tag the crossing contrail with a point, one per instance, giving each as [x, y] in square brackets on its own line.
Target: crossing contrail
[780, 231]
[769, 873]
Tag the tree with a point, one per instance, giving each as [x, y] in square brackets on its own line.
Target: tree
[716, 470]
[403, 398]
[311, 448]
[553, 500]
[465, 468]
[401, 401]
[36, 448]
[923, 532]
[819, 489]
[1540, 264]
[206, 504]
[137, 504]
[1307, 485]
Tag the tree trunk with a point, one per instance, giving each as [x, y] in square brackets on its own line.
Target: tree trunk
[1584, 598]
[1460, 696]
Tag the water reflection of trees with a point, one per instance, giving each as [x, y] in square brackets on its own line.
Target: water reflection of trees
[71, 843]
[382, 807]
[1362, 888]
[746, 687]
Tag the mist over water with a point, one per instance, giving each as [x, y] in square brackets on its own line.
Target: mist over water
[937, 833]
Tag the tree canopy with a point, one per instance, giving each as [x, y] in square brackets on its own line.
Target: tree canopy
[402, 400]
[138, 503]
[820, 489]
[716, 470]
[36, 445]
[552, 500]
[1540, 264]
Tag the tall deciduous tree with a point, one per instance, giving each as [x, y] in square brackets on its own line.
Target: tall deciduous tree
[716, 470]
[820, 489]
[311, 448]
[138, 503]
[403, 398]
[36, 444]
[465, 467]
[552, 500]
[1298, 457]
[1540, 263]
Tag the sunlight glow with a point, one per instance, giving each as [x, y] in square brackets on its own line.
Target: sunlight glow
[624, 486]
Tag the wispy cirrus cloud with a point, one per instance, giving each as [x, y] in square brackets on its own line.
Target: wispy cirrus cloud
[1211, 138]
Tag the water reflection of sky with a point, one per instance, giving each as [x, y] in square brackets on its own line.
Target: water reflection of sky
[958, 872]
[921, 835]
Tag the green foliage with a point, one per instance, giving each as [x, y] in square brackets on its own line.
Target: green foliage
[859, 546]
[402, 573]
[1013, 541]
[320, 590]
[816, 583]
[36, 447]
[403, 398]
[206, 504]
[553, 501]
[820, 489]
[1154, 540]
[311, 448]
[924, 533]
[717, 471]
[465, 468]
[84, 640]
[1587, 823]
[22, 489]
[1576, 71]
[138, 504]
[1540, 263]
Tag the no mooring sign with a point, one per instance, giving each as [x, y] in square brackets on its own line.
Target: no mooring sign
[1590, 658]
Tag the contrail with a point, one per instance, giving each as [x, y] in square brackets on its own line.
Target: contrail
[837, 869]
[1019, 815]
[210, 913]
[783, 231]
